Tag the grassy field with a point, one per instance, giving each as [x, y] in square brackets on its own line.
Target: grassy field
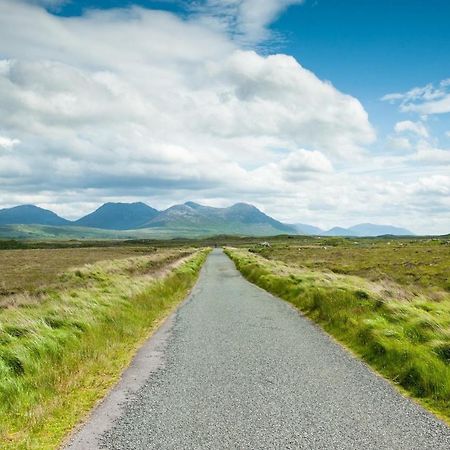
[415, 263]
[30, 270]
[67, 333]
[387, 300]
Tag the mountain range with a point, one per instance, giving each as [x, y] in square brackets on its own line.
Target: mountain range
[360, 230]
[128, 220]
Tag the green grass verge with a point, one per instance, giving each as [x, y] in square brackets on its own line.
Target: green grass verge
[58, 357]
[407, 341]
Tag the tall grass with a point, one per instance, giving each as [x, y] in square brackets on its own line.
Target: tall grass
[60, 355]
[408, 341]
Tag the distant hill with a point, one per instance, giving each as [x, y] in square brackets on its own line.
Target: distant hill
[303, 228]
[118, 216]
[338, 231]
[30, 214]
[240, 218]
[368, 229]
[360, 230]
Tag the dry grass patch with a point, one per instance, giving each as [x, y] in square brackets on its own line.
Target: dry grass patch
[30, 269]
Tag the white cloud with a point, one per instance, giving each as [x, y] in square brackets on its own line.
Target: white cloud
[139, 97]
[437, 184]
[426, 100]
[7, 143]
[399, 143]
[413, 127]
[426, 153]
[275, 96]
[300, 161]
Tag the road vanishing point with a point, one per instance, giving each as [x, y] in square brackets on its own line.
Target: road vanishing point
[236, 368]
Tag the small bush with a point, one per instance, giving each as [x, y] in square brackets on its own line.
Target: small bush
[443, 351]
[362, 295]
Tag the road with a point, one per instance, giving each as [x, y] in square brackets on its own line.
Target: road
[236, 368]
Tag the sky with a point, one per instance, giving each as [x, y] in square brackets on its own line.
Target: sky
[326, 112]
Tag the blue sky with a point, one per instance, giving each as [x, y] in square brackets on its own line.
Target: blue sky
[343, 105]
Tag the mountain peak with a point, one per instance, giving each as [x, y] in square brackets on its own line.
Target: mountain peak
[118, 216]
[244, 205]
[124, 204]
[30, 214]
[193, 205]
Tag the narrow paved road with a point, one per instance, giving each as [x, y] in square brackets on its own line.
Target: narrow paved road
[238, 369]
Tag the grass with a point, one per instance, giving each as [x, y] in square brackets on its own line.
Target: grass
[404, 334]
[31, 269]
[418, 263]
[61, 351]
[66, 232]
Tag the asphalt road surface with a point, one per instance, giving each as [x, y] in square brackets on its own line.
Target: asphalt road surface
[236, 368]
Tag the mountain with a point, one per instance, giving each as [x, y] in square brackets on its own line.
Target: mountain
[30, 214]
[240, 218]
[367, 230]
[338, 231]
[303, 228]
[178, 216]
[370, 229]
[249, 214]
[118, 216]
[128, 220]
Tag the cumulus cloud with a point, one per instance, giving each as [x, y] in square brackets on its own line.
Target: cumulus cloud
[417, 128]
[142, 97]
[301, 161]
[425, 100]
[275, 96]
